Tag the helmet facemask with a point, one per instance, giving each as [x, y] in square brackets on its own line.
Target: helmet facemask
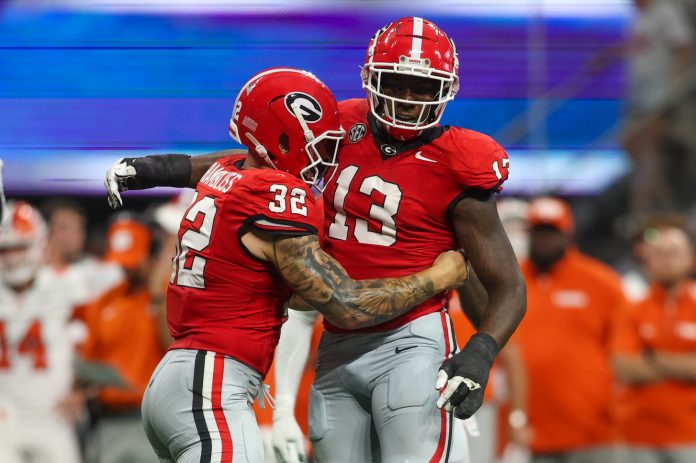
[22, 241]
[322, 152]
[19, 265]
[414, 50]
[384, 101]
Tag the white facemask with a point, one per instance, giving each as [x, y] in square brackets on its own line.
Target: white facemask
[19, 268]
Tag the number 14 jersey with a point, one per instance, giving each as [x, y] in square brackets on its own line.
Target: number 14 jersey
[388, 210]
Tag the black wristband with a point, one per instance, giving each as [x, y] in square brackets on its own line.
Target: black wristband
[486, 345]
[160, 170]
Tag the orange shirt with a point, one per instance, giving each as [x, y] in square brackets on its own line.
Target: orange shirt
[564, 339]
[123, 334]
[660, 414]
[463, 330]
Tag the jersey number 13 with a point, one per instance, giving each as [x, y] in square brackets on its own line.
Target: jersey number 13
[384, 214]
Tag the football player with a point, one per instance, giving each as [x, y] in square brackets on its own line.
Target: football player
[36, 345]
[249, 240]
[406, 189]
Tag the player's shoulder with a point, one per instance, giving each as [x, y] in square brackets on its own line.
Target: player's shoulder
[261, 185]
[60, 289]
[353, 112]
[476, 158]
[353, 105]
[222, 176]
[470, 145]
[258, 180]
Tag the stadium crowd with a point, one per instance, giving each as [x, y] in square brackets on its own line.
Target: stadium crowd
[602, 368]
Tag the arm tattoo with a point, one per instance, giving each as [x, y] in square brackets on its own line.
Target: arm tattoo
[345, 302]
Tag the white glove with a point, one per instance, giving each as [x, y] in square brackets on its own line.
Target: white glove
[115, 180]
[287, 438]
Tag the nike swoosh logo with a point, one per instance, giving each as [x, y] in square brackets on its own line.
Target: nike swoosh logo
[423, 158]
[400, 349]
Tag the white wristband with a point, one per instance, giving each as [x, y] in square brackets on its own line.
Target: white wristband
[517, 419]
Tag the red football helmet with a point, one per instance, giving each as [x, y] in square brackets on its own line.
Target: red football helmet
[413, 47]
[22, 242]
[289, 118]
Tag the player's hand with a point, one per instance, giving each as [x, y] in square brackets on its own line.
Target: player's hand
[462, 378]
[453, 267]
[287, 438]
[72, 407]
[117, 180]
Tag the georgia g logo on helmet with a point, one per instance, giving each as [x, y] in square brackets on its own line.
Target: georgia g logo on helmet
[308, 107]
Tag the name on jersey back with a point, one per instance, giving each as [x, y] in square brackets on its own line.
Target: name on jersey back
[220, 179]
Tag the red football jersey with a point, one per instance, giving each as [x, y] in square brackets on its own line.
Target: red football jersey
[387, 212]
[221, 298]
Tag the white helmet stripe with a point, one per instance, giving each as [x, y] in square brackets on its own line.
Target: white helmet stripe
[417, 42]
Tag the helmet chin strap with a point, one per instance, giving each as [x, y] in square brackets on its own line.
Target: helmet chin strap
[402, 134]
[398, 133]
[308, 134]
[260, 150]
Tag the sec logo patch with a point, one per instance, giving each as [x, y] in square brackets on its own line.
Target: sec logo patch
[357, 132]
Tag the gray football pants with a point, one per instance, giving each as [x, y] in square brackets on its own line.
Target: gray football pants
[374, 396]
[198, 408]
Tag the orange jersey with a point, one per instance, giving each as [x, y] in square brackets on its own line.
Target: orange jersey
[123, 333]
[664, 413]
[564, 339]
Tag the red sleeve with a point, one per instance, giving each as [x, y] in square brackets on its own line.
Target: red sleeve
[283, 204]
[478, 161]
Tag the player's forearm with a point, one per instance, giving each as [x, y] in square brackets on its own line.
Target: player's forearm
[385, 299]
[681, 367]
[174, 170]
[345, 302]
[473, 298]
[291, 356]
[516, 375]
[507, 304]
[635, 369]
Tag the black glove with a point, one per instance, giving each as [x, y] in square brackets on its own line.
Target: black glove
[464, 376]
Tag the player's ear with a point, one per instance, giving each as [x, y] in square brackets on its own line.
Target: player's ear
[284, 143]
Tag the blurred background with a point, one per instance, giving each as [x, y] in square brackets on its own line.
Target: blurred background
[86, 82]
[594, 101]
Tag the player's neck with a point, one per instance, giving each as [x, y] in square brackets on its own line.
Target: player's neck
[253, 162]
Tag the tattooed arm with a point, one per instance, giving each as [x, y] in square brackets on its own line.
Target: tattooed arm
[321, 281]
